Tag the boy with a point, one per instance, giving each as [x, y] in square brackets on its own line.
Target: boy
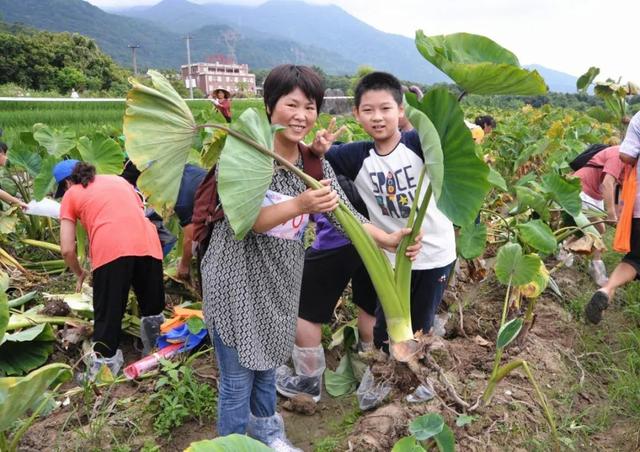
[385, 173]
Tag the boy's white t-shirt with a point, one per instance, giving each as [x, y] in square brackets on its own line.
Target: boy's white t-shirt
[387, 185]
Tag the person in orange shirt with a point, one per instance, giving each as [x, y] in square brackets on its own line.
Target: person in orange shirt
[124, 249]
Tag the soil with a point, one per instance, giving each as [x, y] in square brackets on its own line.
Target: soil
[512, 421]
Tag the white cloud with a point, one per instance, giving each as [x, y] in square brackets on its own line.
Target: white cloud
[566, 35]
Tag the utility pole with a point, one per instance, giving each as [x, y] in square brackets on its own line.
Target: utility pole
[188, 38]
[133, 48]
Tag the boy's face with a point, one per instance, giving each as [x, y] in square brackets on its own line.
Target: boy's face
[296, 113]
[379, 114]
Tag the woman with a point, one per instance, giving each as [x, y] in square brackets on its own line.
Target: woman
[220, 98]
[251, 287]
[125, 251]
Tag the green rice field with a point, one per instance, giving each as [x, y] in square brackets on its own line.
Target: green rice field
[84, 117]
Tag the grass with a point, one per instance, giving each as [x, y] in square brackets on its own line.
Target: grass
[341, 428]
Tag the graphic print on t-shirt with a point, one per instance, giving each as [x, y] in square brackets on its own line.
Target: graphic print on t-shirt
[394, 191]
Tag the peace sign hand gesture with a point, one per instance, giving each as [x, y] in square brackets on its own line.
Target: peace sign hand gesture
[325, 138]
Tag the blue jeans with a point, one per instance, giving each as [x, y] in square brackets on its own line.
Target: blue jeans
[241, 391]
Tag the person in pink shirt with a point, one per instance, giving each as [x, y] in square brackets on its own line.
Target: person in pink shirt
[124, 249]
[599, 178]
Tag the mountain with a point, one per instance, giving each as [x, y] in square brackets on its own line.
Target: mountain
[322, 26]
[113, 33]
[557, 81]
[161, 48]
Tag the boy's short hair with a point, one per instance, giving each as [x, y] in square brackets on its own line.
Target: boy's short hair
[285, 78]
[3, 147]
[485, 120]
[378, 81]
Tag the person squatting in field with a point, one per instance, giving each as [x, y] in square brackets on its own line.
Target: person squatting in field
[629, 268]
[124, 250]
[251, 287]
[599, 179]
[385, 172]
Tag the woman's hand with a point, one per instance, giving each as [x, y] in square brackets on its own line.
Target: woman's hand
[325, 138]
[390, 241]
[80, 279]
[319, 200]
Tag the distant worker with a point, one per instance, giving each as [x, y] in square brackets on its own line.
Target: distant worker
[481, 127]
[74, 94]
[6, 197]
[221, 100]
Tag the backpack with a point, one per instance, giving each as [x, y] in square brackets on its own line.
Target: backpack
[582, 160]
[206, 205]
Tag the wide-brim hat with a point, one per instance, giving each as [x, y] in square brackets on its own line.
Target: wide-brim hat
[61, 172]
[227, 94]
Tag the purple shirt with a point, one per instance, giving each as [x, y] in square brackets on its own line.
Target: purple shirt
[327, 236]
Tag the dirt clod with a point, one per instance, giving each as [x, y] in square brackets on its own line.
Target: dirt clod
[55, 308]
[301, 404]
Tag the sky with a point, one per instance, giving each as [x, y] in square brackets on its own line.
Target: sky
[565, 35]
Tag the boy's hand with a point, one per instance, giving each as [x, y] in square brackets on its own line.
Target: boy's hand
[325, 138]
[391, 241]
[322, 200]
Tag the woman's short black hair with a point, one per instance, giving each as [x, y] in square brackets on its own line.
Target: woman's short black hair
[485, 120]
[285, 78]
[3, 147]
[378, 81]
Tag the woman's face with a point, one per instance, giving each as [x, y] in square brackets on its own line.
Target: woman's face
[296, 113]
[220, 95]
[3, 158]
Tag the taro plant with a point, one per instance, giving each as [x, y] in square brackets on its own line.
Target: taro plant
[613, 93]
[428, 430]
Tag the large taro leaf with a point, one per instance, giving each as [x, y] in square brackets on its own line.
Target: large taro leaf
[244, 173]
[44, 181]
[429, 142]
[18, 394]
[512, 266]
[426, 426]
[56, 141]
[587, 78]
[538, 235]
[23, 157]
[102, 152]
[471, 240]
[479, 65]
[159, 130]
[465, 179]
[229, 443]
[566, 192]
[27, 349]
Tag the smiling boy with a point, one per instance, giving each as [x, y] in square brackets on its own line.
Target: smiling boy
[386, 173]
